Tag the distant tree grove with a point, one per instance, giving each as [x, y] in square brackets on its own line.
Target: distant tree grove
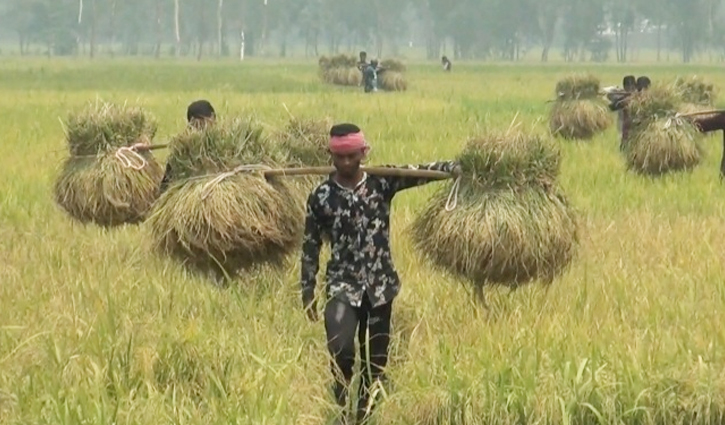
[580, 30]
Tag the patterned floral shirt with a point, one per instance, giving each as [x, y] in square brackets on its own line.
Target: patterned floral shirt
[357, 224]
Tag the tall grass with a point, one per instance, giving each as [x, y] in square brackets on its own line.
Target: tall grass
[94, 329]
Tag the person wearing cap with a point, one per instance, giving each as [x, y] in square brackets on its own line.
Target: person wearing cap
[351, 209]
[199, 114]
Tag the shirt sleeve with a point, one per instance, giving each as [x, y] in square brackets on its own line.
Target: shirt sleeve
[311, 245]
[396, 184]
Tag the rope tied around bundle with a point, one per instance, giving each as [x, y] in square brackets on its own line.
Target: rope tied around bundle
[207, 189]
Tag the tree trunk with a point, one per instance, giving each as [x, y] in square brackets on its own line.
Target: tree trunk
[659, 40]
[618, 43]
[307, 43]
[177, 29]
[79, 42]
[157, 51]
[201, 32]
[220, 27]
[263, 42]
[92, 40]
[112, 27]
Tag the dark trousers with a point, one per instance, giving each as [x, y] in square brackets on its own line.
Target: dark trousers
[372, 325]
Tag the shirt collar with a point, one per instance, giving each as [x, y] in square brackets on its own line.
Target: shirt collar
[360, 183]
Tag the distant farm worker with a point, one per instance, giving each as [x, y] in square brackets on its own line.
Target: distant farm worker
[446, 64]
[618, 103]
[630, 86]
[643, 83]
[199, 114]
[351, 210]
[370, 77]
[363, 62]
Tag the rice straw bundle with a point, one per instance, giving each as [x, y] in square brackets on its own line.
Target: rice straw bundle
[511, 224]
[658, 142]
[217, 217]
[340, 70]
[392, 81]
[695, 90]
[577, 112]
[393, 65]
[305, 142]
[104, 181]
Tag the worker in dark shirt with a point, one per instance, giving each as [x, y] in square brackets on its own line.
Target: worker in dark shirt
[446, 64]
[198, 114]
[370, 76]
[618, 103]
[351, 210]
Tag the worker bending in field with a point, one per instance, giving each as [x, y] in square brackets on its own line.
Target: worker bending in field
[198, 114]
[351, 209]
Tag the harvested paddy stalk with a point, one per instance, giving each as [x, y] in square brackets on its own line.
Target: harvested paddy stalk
[340, 70]
[511, 223]
[658, 141]
[104, 181]
[218, 217]
[577, 112]
[305, 142]
[393, 65]
[392, 81]
[696, 94]
[695, 90]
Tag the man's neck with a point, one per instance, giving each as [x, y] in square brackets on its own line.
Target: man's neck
[349, 183]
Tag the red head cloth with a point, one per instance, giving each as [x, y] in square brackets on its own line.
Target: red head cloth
[349, 143]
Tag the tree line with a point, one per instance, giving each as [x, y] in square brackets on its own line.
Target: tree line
[595, 30]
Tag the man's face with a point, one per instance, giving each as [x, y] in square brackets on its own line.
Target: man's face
[348, 164]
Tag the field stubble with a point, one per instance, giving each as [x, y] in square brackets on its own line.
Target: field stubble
[93, 329]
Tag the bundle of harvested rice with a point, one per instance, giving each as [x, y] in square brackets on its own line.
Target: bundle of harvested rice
[695, 91]
[658, 142]
[392, 81]
[578, 113]
[216, 217]
[342, 76]
[511, 224]
[103, 181]
[340, 70]
[342, 61]
[305, 142]
[393, 65]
